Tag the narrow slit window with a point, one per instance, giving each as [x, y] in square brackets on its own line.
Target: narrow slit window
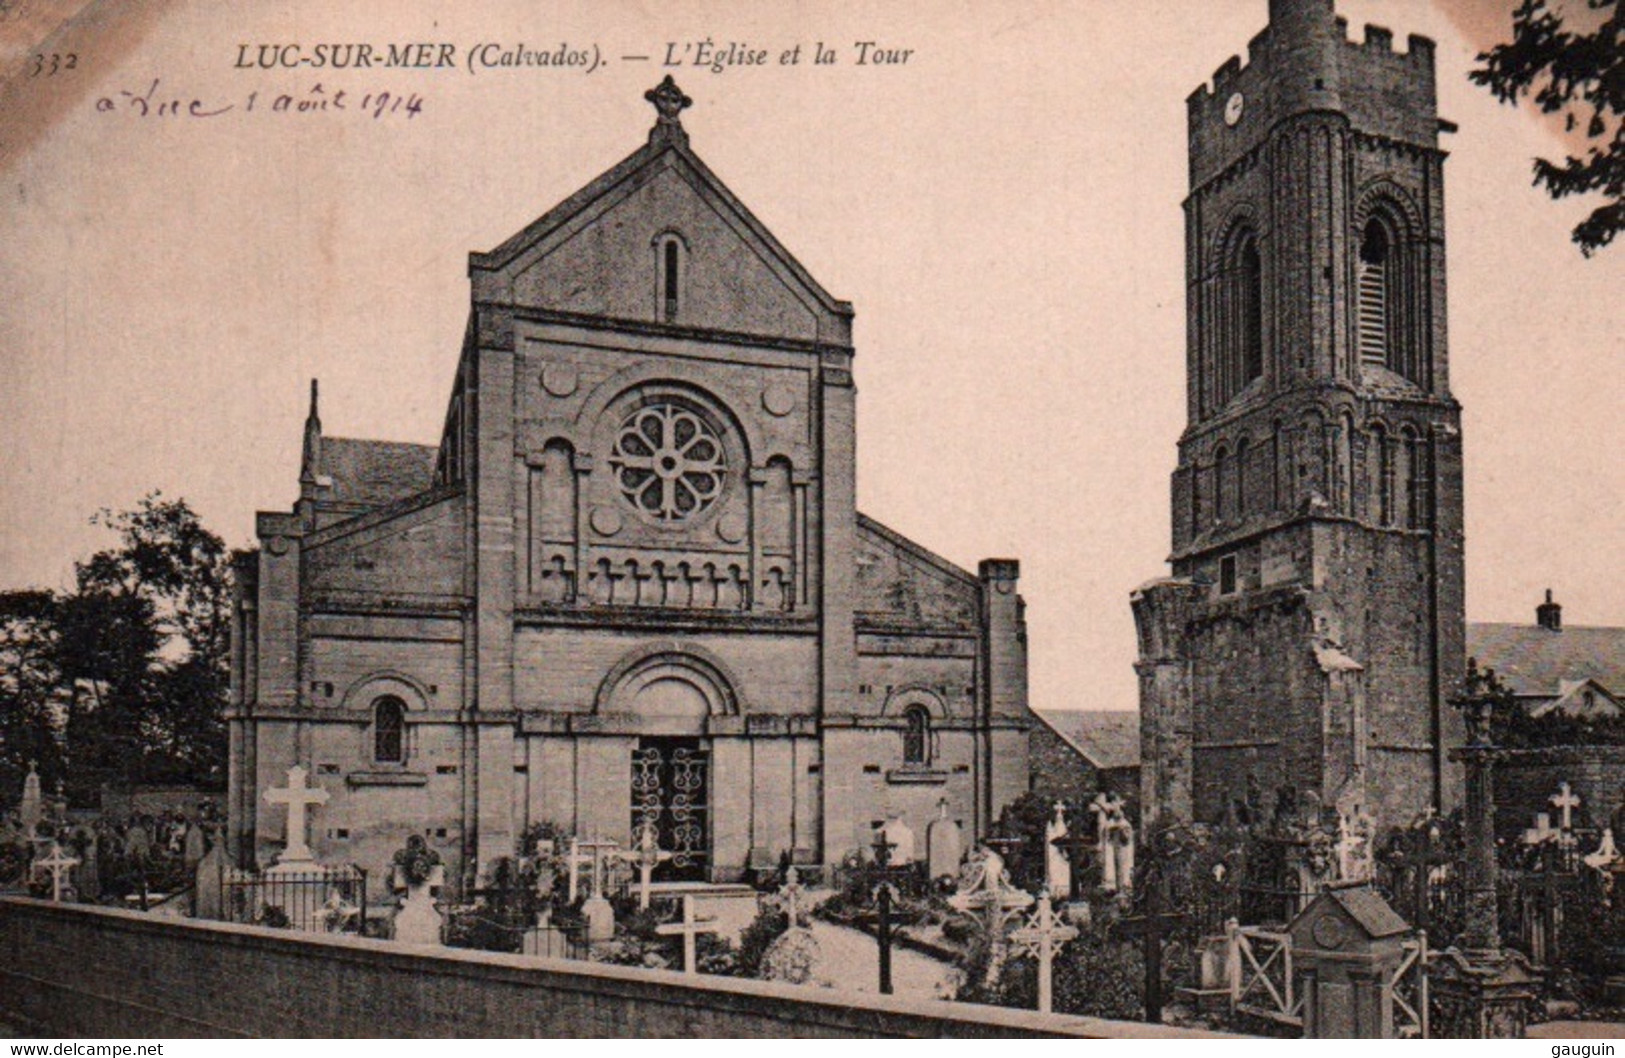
[672, 279]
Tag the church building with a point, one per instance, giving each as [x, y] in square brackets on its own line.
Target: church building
[629, 587]
[1313, 628]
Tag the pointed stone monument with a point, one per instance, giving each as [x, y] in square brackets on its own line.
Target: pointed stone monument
[944, 844]
[32, 808]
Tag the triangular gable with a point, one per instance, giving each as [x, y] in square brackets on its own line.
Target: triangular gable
[1587, 699]
[593, 254]
[898, 580]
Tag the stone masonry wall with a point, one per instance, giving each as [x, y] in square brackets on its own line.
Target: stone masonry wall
[75, 971]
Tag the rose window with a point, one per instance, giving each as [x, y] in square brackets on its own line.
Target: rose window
[668, 462]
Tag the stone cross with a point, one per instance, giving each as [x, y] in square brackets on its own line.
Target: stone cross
[690, 927]
[58, 863]
[1565, 801]
[574, 860]
[298, 797]
[1043, 935]
[647, 855]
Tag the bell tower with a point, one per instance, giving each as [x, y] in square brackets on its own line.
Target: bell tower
[1314, 616]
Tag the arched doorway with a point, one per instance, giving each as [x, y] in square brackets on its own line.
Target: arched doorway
[672, 695]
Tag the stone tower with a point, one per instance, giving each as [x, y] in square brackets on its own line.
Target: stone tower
[1314, 616]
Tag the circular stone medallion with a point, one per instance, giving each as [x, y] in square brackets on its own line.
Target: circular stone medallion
[606, 521]
[779, 399]
[560, 380]
[731, 527]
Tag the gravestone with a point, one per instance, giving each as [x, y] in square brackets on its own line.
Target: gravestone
[1057, 872]
[295, 856]
[418, 872]
[596, 908]
[61, 866]
[31, 810]
[210, 901]
[193, 847]
[90, 876]
[944, 844]
[1346, 945]
[900, 838]
[689, 928]
[1043, 936]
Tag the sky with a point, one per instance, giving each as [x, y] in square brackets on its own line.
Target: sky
[1002, 208]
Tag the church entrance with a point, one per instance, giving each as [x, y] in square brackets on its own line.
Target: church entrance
[671, 793]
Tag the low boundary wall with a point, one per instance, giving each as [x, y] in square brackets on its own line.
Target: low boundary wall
[74, 970]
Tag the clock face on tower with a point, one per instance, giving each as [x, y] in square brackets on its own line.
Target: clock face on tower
[1232, 109]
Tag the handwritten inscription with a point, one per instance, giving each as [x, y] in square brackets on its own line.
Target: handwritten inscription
[156, 101]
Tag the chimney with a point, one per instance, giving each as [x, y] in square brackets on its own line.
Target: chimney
[1549, 615]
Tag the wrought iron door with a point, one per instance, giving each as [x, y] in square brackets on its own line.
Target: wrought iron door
[670, 793]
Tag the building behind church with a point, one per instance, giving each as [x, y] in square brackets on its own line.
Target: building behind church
[629, 585]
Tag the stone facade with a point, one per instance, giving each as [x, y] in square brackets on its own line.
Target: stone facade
[630, 582]
[1314, 618]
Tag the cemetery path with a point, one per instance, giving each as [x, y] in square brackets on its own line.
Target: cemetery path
[850, 959]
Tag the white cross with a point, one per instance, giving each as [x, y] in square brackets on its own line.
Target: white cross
[575, 859]
[689, 927]
[1042, 936]
[1565, 801]
[298, 797]
[647, 856]
[59, 864]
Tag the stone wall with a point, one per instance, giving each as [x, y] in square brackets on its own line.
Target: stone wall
[76, 971]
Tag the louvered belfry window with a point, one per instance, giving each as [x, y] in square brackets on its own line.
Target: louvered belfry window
[1376, 250]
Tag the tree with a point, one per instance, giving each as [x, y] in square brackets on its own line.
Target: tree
[124, 679]
[1581, 75]
[30, 702]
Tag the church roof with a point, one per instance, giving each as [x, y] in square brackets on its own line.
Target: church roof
[1537, 662]
[494, 271]
[1107, 738]
[373, 473]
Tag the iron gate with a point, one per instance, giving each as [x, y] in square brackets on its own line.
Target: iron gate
[670, 794]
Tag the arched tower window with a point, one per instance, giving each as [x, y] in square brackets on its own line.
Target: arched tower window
[917, 735]
[1373, 282]
[1222, 473]
[1239, 316]
[389, 730]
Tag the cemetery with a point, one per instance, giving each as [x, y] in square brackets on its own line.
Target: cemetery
[1274, 922]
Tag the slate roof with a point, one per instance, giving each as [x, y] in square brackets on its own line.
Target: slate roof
[1107, 738]
[373, 473]
[1536, 662]
[1370, 911]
